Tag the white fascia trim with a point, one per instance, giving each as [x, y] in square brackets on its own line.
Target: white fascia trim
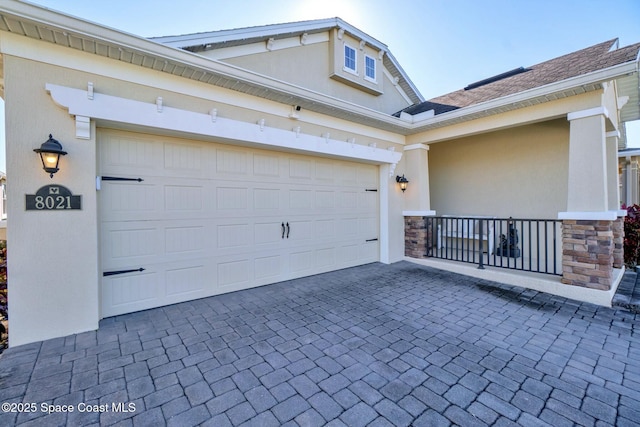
[589, 216]
[598, 111]
[404, 75]
[629, 153]
[612, 134]
[397, 87]
[418, 213]
[590, 78]
[416, 147]
[266, 31]
[127, 111]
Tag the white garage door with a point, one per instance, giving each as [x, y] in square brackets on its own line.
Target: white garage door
[211, 218]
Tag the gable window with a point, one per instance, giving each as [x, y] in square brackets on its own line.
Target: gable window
[369, 68]
[349, 59]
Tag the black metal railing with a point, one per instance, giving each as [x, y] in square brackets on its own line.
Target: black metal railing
[520, 244]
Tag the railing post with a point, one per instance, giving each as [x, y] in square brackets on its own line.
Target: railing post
[481, 231]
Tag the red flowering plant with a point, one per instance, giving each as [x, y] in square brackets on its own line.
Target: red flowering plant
[631, 235]
[3, 280]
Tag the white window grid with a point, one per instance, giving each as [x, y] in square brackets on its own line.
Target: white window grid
[350, 59]
[370, 68]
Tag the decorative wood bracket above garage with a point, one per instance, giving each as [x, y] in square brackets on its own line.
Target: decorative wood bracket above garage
[87, 104]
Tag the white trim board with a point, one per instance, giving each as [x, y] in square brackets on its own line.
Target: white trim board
[79, 103]
[536, 281]
[589, 216]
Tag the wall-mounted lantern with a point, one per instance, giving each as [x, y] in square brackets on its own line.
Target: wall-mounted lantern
[402, 181]
[50, 152]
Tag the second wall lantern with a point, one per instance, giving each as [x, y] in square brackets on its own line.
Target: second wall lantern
[402, 181]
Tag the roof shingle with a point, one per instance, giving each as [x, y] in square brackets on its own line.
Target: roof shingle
[590, 59]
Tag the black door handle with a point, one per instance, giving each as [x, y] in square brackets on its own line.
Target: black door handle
[283, 230]
[288, 229]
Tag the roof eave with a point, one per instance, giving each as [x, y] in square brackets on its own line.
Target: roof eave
[540, 93]
[268, 87]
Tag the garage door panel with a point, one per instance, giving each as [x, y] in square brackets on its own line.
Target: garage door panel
[124, 294]
[367, 176]
[325, 229]
[234, 235]
[184, 198]
[300, 231]
[367, 201]
[208, 218]
[267, 200]
[125, 200]
[122, 154]
[181, 159]
[266, 166]
[232, 198]
[186, 239]
[325, 200]
[300, 200]
[232, 163]
[268, 233]
[301, 262]
[369, 252]
[185, 280]
[347, 227]
[234, 273]
[131, 245]
[347, 200]
[325, 259]
[348, 254]
[301, 169]
[269, 267]
[368, 227]
[346, 173]
[325, 171]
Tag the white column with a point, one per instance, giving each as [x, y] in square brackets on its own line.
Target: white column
[632, 188]
[417, 196]
[588, 196]
[613, 179]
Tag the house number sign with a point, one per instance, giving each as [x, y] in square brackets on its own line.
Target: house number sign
[53, 198]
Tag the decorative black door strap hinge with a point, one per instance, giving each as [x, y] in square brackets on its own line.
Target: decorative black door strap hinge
[371, 240]
[117, 178]
[113, 273]
[371, 189]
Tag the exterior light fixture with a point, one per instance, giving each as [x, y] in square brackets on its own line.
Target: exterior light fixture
[402, 181]
[50, 152]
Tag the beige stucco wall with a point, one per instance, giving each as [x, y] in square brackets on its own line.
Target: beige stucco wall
[53, 262]
[519, 172]
[311, 67]
[54, 266]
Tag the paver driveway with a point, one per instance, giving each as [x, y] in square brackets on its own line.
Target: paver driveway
[374, 345]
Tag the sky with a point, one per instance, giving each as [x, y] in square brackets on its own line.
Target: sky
[442, 45]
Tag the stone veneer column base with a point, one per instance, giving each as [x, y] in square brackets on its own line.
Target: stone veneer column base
[588, 253]
[618, 243]
[416, 236]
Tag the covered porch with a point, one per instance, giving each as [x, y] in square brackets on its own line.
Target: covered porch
[528, 197]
